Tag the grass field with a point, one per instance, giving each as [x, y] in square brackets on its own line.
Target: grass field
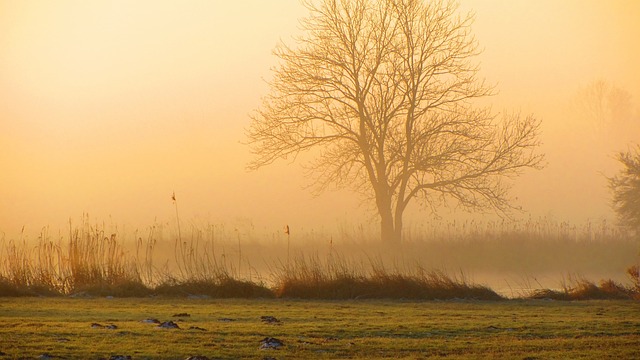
[232, 329]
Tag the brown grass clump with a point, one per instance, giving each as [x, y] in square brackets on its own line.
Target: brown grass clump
[124, 288]
[89, 262]
[97, 262]
[222, 288]
[583, 289]
[309, 278]
[7, 288]
[10, 289]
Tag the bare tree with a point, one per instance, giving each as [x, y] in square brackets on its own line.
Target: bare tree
[626, 189]
[608, 113]
[385, 90]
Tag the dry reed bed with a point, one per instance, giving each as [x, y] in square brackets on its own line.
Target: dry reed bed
[92, 261]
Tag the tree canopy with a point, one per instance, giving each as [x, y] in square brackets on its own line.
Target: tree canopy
[626, 188]
[387, 90]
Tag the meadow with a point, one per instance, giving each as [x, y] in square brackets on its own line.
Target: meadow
[222, 292]
[95, 328]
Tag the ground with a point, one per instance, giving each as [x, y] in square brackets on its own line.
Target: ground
[233, 329]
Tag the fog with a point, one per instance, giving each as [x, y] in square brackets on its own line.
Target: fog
[108, 108]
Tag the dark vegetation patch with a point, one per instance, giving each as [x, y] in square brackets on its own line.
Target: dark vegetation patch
[124, 288]
[9, 288]
[218, 288]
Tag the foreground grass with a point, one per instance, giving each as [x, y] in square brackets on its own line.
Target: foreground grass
[232, 329]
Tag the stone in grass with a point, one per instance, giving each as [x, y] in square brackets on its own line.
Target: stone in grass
[197, 357]
[119, 357]
[150, 321]
[270, 343]
[46, 356]
[169, 325]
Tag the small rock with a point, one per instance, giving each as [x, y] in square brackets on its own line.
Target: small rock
[119, 357]
[226, 320]
[270, 343]
[111, 327]
[197, 357]
[150, 321]
[169, 325]
[97, 326]
[46, 356]
[182, 315]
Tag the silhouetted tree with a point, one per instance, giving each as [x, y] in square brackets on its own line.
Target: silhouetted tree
[626, 189]
[608, 114]
[385, 90]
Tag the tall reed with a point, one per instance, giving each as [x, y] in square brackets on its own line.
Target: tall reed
[216, 258]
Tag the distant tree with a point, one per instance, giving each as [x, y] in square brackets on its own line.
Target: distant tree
[608, 113]
[385, 89]
[626, 189]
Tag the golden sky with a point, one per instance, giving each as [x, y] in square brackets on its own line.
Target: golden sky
[107, 107]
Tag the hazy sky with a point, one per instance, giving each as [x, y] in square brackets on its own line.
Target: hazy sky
[107, 107]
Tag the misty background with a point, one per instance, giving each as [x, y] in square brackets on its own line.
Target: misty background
[108, 107]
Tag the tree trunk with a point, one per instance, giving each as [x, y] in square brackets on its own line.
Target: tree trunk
[389, 233]
[398, 227]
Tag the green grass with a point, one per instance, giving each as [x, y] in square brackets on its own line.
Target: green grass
[516, 329]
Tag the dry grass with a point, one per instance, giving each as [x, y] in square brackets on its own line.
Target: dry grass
[634, 274]
[582, 289]
[88, 260]
[220, 289]
[217, 262]
[337, 278]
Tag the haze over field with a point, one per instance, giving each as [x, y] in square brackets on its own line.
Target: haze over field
[108, 107]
